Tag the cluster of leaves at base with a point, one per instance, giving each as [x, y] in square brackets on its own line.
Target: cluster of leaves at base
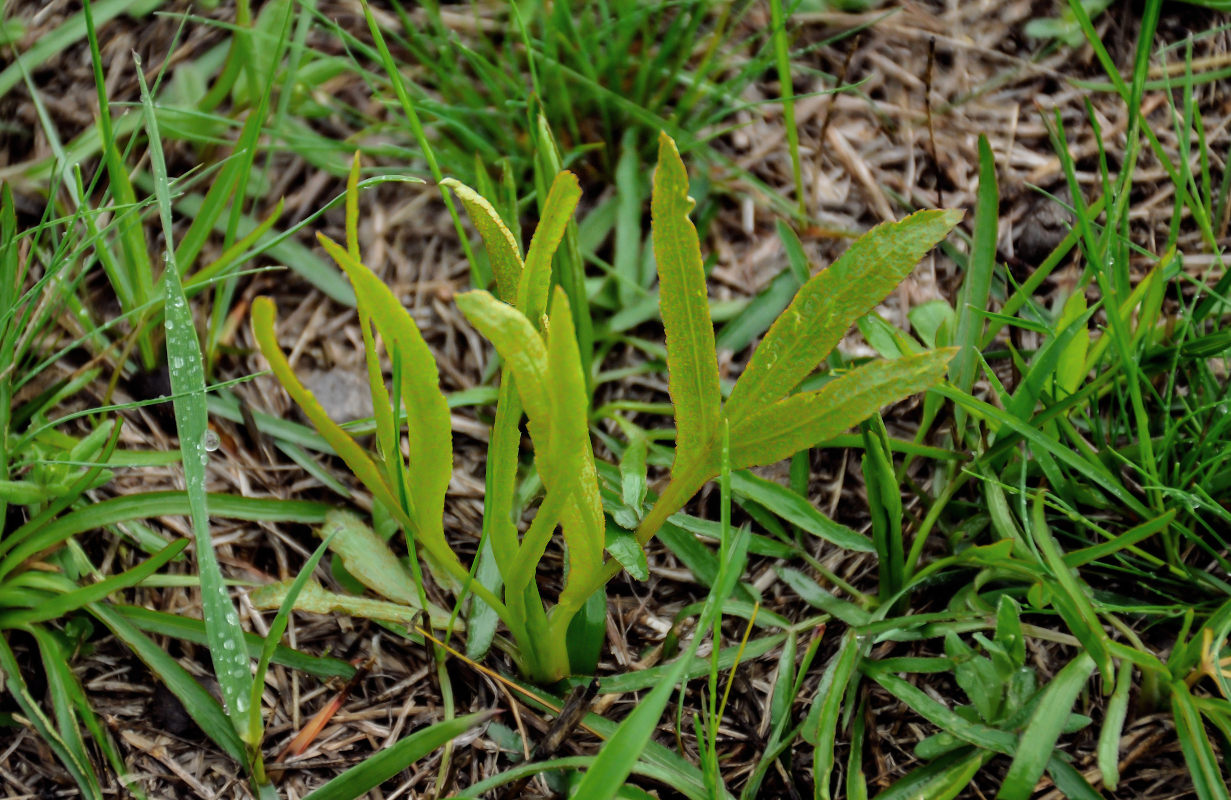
[531, 326]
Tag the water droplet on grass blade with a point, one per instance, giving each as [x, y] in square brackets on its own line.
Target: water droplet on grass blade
[210, 442]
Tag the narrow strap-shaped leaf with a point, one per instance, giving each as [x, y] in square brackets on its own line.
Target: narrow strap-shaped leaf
[263, 319]
[346, 447]
[972, 300]
[583, 524]
[829, 303]
[382, 410]
[802, 420]
[558, 209]
[80, 769]
[430, 433]
[1203, 762]
[501, 246]
[692, 361]
[625, 745]
[501, 479]
[517, 342]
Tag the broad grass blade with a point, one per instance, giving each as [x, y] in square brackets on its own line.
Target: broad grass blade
[1203, 762]
[501, 246]
[1038, 740]
[692, 360]
[1113, 726]
[775, 432]
[829, 303]
[821, 726]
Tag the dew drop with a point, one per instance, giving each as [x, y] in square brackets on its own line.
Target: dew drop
[232, 618]
[241, 705]
[210, 442]
[228, 645]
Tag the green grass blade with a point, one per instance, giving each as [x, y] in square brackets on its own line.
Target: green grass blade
[829, 303]
[61, 683]
[797, 510]
[15, 686]
[375, 770]
[226, 638]
[692, 361]
[71, 601]
[821, 726]
[618, 757]
[770, 434]
[942, 779]
[1071, 597]
[1038, 740]
[1113, 727]
[1203, 763]
[940, 715]
[137, 286]
[198, 702]
[628, 257]
[975, 289]
[193, 630]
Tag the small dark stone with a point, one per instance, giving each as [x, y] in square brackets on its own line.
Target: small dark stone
[167, 714]
[1043, 228]
[151, 385]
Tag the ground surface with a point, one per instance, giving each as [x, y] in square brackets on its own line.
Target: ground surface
[867, 158]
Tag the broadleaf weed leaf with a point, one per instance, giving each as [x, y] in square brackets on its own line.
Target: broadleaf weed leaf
[558, 209]
[583, 524]
[829, 303]
[501, 245]
[518, 343]
[692, 361]
[802, 420]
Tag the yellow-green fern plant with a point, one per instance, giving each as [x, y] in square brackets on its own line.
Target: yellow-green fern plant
[532, 327]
